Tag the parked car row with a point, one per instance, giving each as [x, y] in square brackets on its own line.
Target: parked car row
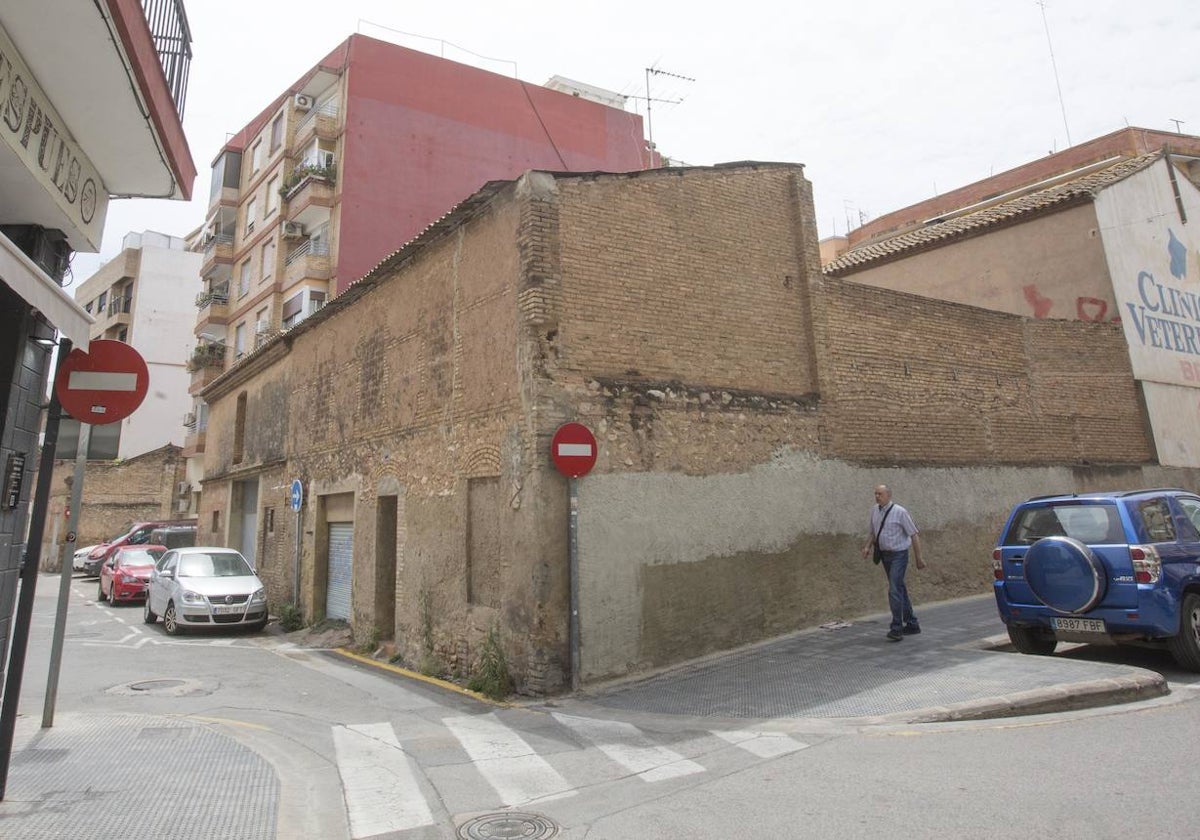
[1102, 568]
[170, 533]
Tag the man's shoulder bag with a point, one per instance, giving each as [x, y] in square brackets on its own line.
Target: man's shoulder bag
[878, 556]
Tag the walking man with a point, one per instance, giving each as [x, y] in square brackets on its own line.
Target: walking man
[893, 533]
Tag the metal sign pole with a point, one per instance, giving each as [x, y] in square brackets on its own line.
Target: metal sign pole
[64, 583]
[573, 573]
[29, 573]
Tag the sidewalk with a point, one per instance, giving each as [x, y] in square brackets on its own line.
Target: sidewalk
[951, 671]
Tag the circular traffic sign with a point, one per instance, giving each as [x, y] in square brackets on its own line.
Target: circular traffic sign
[573, 449]
[104, 384]
[297, 494]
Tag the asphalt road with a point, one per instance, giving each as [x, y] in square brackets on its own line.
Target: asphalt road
[311, 746]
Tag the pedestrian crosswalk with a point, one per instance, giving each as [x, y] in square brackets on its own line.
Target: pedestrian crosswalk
[486, 762]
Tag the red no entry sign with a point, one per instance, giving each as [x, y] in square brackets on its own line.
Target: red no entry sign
[103, 385]
[573, 449]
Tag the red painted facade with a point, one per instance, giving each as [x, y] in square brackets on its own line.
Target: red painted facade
[423, 133]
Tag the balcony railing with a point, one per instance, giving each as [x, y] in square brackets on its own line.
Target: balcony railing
[219, 239]
[173, 40]
[120, 305]
[306, 248]
[208, 354]
[329, 109]
[305, 172]
[218, 295]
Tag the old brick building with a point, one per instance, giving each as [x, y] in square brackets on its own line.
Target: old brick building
[744, 406]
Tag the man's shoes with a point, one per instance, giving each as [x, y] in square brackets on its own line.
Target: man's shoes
[912, 629]
[894, 635]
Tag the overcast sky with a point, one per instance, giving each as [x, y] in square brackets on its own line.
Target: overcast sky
[885, 102]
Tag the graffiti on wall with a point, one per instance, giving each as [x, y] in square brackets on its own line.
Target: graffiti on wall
[1086, 308]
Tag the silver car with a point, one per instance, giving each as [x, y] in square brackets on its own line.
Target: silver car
[205, 586]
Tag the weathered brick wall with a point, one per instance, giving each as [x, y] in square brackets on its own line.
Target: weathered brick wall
[928, 382]
[411, 391]
[115, 495]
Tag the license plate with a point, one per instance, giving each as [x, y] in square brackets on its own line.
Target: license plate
[1078, 625]
[222, 609]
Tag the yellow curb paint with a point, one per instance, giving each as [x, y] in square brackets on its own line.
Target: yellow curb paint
[228, 722]
[404, 672]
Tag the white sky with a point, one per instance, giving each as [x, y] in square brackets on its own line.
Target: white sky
[886, 102]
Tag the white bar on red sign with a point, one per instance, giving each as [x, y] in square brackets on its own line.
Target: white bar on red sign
[582, 450]
[91, 380]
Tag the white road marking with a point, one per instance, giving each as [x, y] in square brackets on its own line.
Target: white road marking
[509, 764]
[625, 744]
[762, 744]
[381, 791]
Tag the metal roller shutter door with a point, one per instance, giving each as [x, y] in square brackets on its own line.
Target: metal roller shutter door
[337, 596]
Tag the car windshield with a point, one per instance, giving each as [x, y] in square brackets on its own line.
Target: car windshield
[1088, 523]
[225, 564]
[141, 557]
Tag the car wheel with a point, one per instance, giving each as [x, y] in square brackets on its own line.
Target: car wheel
[101, 597]
[1186, 646]
[171, 620]
[148, 615]
[1031, 640]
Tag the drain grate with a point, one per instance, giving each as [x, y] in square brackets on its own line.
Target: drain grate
[510, 825]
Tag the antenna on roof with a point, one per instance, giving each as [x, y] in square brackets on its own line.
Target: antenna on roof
[1177, 124]
[1054, 65]
[653, 70]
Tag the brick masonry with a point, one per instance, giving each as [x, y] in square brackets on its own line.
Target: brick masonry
[744, 407]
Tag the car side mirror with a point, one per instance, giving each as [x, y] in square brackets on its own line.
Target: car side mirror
[167, 573]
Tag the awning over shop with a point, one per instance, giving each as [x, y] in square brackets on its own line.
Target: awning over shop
[43, 294]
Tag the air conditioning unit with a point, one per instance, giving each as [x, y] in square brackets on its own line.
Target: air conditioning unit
[293, 230]
[302, 102]
[262, 326]
[182, 505]
[183, 488]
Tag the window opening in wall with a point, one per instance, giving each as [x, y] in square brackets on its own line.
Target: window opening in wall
[244, 278]
[272, 194]
[239, 429]
[256, 158]
[216, 522]
[269, 520]
[484, 547]
[268, 260]
[251, 214]
[277, 133]
[239, 341]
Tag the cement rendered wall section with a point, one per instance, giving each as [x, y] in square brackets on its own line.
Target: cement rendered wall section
[674, 566]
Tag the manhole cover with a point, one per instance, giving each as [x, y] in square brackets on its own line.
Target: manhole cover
[510, 825]
[156, 685]
[163, 688]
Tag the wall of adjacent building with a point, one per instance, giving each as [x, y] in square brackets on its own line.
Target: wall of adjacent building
[1153, 252]
[1051, 266]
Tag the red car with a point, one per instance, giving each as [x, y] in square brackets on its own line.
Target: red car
[123, 577]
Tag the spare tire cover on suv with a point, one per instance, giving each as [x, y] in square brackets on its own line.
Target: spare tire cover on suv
[1064, 574]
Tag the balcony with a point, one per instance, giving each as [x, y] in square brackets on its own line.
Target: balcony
[218, 251]
[117, 311]
[308, 186]
[193, 443]
[213, 306]
[320, 122]
[308, 261]
[173, 41]
[207, 362]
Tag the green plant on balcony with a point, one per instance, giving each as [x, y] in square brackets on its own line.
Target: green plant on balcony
[211, 354]
[326, 172]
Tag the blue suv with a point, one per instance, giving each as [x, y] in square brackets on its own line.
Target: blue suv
[1108, 568]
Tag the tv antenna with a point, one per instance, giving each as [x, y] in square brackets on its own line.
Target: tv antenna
[1178, 123]
[1054, 66]
[654, 70]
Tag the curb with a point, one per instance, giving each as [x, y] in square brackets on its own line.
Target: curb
[434, 681]
[1063, 698]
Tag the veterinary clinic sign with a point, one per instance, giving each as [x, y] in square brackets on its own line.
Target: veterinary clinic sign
[36, 134]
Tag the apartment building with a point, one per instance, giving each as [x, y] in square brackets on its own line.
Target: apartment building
[369, 147]
[144, 297]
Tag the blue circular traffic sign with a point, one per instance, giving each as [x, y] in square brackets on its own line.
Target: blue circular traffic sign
[297, 494]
